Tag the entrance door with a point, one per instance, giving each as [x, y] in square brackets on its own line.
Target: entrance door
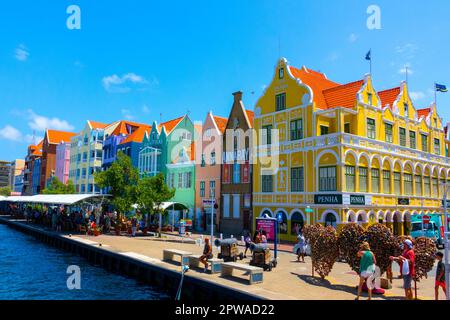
[246, 219]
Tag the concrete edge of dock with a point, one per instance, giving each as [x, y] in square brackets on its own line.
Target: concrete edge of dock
[154, 274]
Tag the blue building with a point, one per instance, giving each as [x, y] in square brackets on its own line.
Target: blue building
[36, 179]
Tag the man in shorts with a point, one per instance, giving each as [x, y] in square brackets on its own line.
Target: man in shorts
[440, 276]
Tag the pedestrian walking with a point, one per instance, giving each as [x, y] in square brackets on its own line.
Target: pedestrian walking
[301, 247]
[440, 276]
[407, 263]
[366, 268]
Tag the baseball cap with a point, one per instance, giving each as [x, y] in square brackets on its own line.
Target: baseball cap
[408, 243]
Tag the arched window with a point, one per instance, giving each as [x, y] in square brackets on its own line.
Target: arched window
[283, 224]
[330, 220]
[266, 213]
[297, 223]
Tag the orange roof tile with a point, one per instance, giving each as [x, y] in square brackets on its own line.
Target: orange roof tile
[55, 136]
[97, 125]
[343, 95]
[137, 135]
[389, 96]
[250, 115]
[221, 123]
[317, 81]
[122, 127]
[423, 112]
[171, 124]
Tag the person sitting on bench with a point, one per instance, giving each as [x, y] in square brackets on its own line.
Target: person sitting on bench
[207, 254]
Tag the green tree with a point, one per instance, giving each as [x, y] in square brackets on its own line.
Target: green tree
[57, 187]
[121, 181]
[161, 193]
[5, 191]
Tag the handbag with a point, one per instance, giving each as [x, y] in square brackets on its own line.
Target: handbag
[405, 267]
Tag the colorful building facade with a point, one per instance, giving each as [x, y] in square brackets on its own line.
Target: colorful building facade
[86, 154]
[208, 171]
[170, 149]
[34, 152]
[126, 137]
[346, 153]
[236, 187]
[17, 176]
[48, 161]
[63, 161]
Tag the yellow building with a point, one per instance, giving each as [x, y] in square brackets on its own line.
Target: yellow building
[346, 154]
[86, 155]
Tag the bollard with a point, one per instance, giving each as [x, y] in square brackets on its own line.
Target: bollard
[221, 236]
[232, 236]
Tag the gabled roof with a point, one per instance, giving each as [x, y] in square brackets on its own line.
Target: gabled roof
[55, 136]
[36, 150]
[389, 96]
[221, 123]
[137, 135]
[343, 95]
[250, 116]
[317, 81]
[97, 125]
[423, 112]
[171, 124]
[122, 127]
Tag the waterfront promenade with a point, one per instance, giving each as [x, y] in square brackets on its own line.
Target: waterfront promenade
[291, 280]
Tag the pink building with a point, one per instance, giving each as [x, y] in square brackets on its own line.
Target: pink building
[62, 161]
[208, 171]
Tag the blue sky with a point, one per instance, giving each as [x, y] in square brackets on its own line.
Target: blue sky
[137, 59]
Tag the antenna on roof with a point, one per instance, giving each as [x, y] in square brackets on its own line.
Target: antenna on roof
[406, 74]
[34, 137]
[160, 118]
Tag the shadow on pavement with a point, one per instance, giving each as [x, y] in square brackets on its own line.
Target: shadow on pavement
[319, 282]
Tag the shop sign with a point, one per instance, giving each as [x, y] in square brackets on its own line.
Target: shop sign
[357, 199]
[268, 225]
[403, 201]
[328, 199]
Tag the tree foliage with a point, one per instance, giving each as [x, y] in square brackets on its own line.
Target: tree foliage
[5, 191]
[151, 192]
[120, 180]
[57, 187]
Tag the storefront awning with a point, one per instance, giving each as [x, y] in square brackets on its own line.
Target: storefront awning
[65, 199]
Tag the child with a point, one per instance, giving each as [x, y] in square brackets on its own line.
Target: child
[440, 276]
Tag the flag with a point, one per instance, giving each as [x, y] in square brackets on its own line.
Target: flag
[441, 88]
[369, 55]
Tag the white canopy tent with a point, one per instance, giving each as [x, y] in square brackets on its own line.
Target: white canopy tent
[65, 199]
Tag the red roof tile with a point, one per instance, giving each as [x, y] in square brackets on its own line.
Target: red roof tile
[97, 125]
[56, 137]
[137, 135]
[423, 112]
[317, 81]
[221, 123]
[389, 96]
[171, 124]
[250, 115]
[343, 95]
[122, 127]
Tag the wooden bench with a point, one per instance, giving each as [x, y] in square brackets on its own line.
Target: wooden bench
[255, 273]
[169, 254]
[216, 264]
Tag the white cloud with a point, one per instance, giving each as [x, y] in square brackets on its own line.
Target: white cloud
[145, 109]
[10, 133]
[42, 123]
[407, 51]
[333, 56]
[21, 53]
[126, 113]
[406, 69]
[352, 38]
[121, 84]
[417, 95]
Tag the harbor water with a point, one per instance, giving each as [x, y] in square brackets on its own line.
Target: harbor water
[31, 270]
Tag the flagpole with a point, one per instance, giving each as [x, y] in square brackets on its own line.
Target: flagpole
[371, 62]
[435, 95]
